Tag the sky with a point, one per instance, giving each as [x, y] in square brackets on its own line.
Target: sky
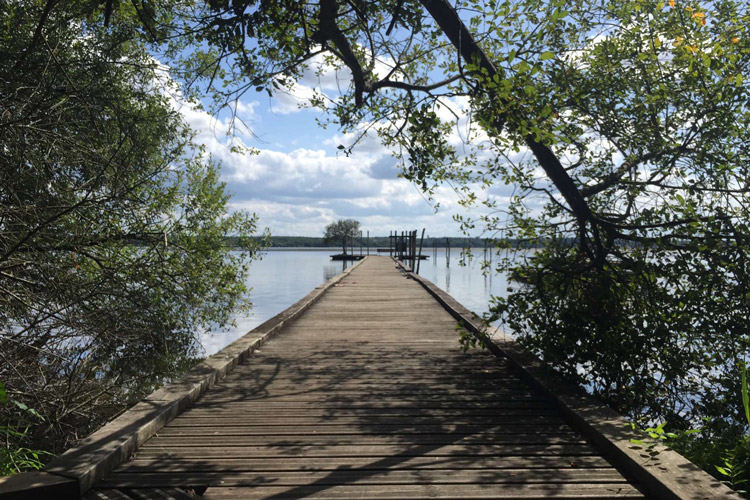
[299, 181]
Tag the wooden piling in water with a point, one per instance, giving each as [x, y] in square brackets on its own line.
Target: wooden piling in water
[419, 257]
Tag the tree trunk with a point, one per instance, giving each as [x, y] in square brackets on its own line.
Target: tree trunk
[453, 27]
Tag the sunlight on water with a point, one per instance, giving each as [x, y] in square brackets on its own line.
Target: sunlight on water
[283, 277]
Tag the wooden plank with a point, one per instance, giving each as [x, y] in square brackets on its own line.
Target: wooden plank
[321, 440]
[376, 406]
[489, 379]
[153, 449]
[37, 484]
[393, 462]
[370, 385]
[372, 477]
[323, 398]
[377, 427]
[307, 423]
[233, 411]
[615, 491]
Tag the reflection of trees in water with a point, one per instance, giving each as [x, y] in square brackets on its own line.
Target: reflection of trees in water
[331, 270]
[77, 383]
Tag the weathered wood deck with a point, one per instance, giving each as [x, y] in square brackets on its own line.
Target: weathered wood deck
[367, 395]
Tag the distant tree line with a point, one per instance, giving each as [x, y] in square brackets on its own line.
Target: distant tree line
[383, 242]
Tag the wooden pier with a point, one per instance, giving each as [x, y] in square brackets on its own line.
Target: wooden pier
[364, 393]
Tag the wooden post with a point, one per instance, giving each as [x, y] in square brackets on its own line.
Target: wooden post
[447, 252]
[368, 242]
[414, 252]
[419, 256]
[413, 248]
[360, 243]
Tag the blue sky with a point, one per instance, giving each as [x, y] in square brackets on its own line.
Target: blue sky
[299, 181]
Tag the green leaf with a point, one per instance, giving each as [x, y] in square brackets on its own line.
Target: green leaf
[3, 394]
[30, 411]
[547, 55]
[21, 405]
[522, 67]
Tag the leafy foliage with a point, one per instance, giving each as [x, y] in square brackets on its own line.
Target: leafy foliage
[14, 457]
[112, 242]
[342, 231]
[648, 103]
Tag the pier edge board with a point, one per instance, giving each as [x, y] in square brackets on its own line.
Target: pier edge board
[669, 476]
[37, 484]
[105, 449]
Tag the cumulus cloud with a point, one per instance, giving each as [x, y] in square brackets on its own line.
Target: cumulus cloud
[319, 80]
[386, 167]
[301, 174]
[299, 181]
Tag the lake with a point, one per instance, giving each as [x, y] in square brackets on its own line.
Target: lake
[283, 276]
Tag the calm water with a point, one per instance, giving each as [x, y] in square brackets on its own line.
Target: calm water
[283, 277]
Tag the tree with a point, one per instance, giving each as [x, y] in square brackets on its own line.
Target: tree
[623, 126]
[112, 225]
[342, 230]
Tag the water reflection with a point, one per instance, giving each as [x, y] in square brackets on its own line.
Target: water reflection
[329, 271]
[466, 277]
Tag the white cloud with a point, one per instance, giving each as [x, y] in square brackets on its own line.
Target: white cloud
[299, 191]
[292, 100]
[300, 174]
[319, 80]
